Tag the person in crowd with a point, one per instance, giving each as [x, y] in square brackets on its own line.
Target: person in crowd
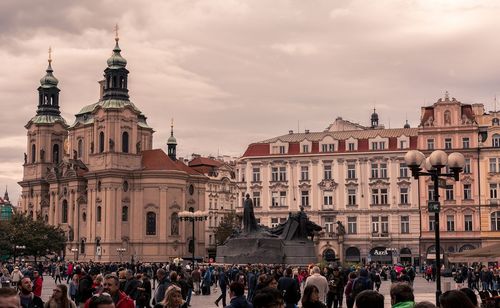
[424, 304]
[311, 298]
[266, 280]
[144, 292]
[28, 298]
[454, 299]
[163, 283]
[73, 287]
[69, 272]
[15, 276]
[268, 298]
[237, 295]
[131, 285]
[112, 287]
[290, 288]
[402, 295]
[85, 290]
[223, 281]
[101, 301]
[97, 285]
[172, 298]
[57, 273]
[319, 281]
[369, 299]
[196, 276]
[9, 298]
[361, 283]
[37, 284]
[252, 283]
[471, 295]
[207, 281]
[59, 298]
[348, 290]
[335, 288]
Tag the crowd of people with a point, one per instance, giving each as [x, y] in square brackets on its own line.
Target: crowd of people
[172, 285]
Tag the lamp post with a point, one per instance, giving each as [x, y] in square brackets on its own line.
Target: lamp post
[192, 216]
[16, 248]
[120, 252]
[432, 165]
[75, 251]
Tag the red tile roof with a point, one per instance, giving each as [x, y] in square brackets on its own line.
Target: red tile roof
[157, 159]
[205, 161]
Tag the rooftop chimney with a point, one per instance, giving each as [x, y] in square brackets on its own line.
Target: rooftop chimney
[307, 131]
[290, 132]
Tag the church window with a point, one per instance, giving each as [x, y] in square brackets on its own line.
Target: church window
[33, 153]
[125, 213]
[55, 154]
[98, 214]
[64, 212]
[80, 148]
[101, 142]
[151, 223]
[114, 82]
[125, 142]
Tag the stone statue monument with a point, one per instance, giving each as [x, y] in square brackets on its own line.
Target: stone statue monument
[249, 221]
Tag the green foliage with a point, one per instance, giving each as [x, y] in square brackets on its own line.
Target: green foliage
[229, 224]
[38, 237]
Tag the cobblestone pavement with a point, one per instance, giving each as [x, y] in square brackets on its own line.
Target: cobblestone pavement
[424, 291]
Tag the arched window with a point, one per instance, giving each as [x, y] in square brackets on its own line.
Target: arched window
[55, 154]
[125, 142]
[98, 214]
[124, 213]
[329, 255]
[33, 153]
[495, 221]
[115, 84]
[101, 142]
[495, 122]
[495, 141]
[151, 223]
[352, 254]
[447, 117]
[174, 227]
[64, 218]
[80, 148]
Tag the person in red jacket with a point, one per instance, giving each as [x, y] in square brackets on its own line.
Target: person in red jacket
[37, 284]
[112, 287]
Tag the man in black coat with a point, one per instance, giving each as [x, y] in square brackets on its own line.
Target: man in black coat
[290, 289]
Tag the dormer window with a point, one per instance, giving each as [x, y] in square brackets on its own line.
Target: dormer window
[328, 147]
[305, 148]
[351, 146]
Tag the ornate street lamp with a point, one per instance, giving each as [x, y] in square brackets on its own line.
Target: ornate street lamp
[16, 248]
[416, 161]
[75, 251]
[192, 216]
[120, 252]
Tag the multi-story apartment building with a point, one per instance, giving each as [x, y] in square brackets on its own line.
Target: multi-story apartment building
[221, 193]
[451, 126]
[348, 173]
[489, 177]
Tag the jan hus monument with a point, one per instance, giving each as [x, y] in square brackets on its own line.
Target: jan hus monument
[291, 242]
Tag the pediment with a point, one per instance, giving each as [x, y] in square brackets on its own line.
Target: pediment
[327, 184]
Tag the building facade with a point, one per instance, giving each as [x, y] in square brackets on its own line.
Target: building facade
[489, 176]
[220, 192]
[350, 174]
[100, 179]
[451, 126]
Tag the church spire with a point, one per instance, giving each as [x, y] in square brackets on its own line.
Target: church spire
[6, 195]
[116, 74]
[48, 92]
[172, 143]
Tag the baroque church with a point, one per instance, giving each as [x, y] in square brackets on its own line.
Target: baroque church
[100, 179]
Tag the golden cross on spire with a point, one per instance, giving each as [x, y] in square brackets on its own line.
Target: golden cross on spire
[116, 32]
[50, 54]
[172, 127]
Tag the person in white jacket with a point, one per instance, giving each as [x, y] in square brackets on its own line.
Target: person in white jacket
[16, 276]
[320, 282]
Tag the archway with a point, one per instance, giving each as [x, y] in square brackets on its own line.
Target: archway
[352, 254]
[329, 255]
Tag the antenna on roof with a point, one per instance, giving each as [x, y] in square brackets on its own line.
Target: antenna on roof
[298, 126]
[495, 103]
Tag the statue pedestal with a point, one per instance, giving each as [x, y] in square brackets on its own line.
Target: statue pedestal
[267, 251]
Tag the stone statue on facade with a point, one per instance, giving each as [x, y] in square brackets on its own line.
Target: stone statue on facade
[92, 147]
[25, 158]
[174, 230]
[42, 155]
[138, 147]
[249, 221]
[75, 154]
[340, 228]
[111, 145]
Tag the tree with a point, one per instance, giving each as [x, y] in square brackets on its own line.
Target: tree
[230, 223]
[38, 237]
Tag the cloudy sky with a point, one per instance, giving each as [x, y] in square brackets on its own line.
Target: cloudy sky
[231, 72]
